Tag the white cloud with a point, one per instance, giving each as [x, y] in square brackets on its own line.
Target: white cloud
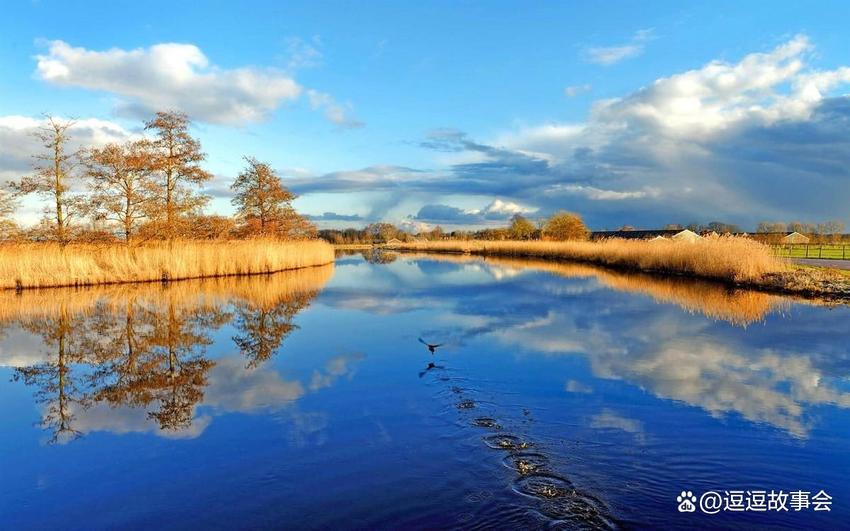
[609, 55]
[18, 145]
[335, 112]
[506, 208]
[749, 136]
[170, 76]
[710, 99]
[598, 194]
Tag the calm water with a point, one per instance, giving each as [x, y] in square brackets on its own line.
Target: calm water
[563, 396]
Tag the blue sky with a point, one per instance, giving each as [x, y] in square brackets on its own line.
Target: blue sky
[463, 113]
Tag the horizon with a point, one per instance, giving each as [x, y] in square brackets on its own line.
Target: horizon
[428, 117]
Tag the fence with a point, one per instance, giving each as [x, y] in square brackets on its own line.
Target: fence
[831, 251]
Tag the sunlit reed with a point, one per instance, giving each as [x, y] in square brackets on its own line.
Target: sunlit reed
[732, 259]
[49, 265]
[259, 291]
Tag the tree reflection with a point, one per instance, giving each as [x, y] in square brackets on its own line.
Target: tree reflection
[154, 356]
[379, 256]
[263, 328]
[145, 347]
[56, 380]
[179, 369]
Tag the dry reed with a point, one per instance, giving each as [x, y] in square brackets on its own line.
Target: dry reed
[261, 291]
[49, 265]
[727, 258]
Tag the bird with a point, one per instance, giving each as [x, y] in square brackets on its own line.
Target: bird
[431, 347]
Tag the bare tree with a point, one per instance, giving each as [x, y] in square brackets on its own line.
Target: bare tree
[8, 227]
[120, 180]
[52, 172]
[177, 158]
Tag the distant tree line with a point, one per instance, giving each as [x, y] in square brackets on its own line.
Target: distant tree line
[144, 189]
[827, 231]
[560, 226]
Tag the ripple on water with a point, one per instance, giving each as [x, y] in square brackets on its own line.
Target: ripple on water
[501, 441]
[526, 462]
[561, 501]
[544, 486]
[466, 404]
[485, 422]
[580, 511]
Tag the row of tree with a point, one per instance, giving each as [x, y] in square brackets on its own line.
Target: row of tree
[827, 230]
[147, 188]
[560, 226]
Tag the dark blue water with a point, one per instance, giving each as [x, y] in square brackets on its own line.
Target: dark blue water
[562, 397]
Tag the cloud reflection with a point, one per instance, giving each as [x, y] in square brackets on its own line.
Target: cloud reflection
[134, 358]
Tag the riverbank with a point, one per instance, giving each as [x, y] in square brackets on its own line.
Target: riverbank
[352, 246]
[41, 265]
[737, 261]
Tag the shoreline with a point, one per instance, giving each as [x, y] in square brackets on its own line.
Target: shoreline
[36, 266]
[164, 281]
[802, 281]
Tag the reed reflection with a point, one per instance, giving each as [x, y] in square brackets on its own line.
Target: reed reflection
[714, 300]
[145, 346]
[717, 366]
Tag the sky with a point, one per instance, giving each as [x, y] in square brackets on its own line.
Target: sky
[461, 114]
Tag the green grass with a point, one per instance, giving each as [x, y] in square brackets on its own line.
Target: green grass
[825, 251]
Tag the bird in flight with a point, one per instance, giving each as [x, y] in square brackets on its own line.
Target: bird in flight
[431, 347]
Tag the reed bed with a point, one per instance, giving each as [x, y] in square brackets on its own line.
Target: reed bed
[257, 291]
[726, 258]
[40, 265]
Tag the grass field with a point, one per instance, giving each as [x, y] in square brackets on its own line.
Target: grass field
[823, 251]
[49, 265]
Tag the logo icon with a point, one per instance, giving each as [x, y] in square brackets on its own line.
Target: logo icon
[687, 502]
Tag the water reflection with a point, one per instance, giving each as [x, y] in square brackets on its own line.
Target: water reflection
[752, 356]
[714, 300]
[115, 352]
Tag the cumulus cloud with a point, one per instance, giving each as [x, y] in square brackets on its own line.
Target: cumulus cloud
[170, 76]
[609, 55]
[180, 76]
[767, 136]
[497, 210]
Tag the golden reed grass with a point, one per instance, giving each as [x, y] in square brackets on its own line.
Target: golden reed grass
[727, 258]
[47, 265]
[737, 306]
[258, 291]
